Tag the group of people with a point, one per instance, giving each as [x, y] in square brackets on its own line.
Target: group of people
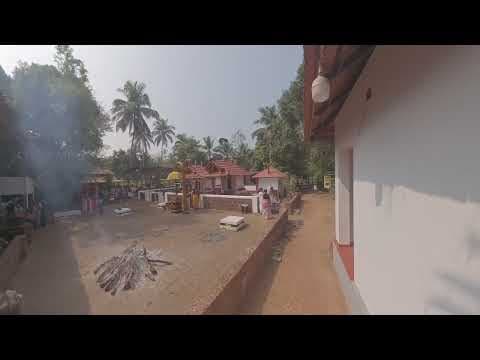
[14, 211]
[119, 193]
[269, 199]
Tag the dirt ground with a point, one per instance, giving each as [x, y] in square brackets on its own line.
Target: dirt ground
[304, 282]
[57, 276]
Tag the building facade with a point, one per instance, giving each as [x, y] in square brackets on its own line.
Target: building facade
[220, 177]
[407, 194]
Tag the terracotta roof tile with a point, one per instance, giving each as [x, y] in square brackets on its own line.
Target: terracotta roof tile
[270, 172]
[198, 171]
[225, 167]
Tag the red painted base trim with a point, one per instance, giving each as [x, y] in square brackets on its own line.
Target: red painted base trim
[346, 254]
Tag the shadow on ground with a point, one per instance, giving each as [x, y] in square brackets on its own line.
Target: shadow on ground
[258, 294]
[51, 284]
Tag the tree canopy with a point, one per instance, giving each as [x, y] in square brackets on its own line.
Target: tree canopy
[58, 123]
[131, 114]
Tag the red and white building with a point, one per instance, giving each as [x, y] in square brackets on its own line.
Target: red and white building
[224, 177]
[271, 177]
[406, 125]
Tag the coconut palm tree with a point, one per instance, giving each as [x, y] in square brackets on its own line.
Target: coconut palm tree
[208, 145]
[268, 117]
[163, 133]
[131, 113]
[244, 156]
[187, 147]
[224, 149]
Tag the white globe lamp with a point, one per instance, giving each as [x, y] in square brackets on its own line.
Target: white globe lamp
[320, 88]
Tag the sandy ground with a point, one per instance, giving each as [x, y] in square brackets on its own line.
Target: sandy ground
[304, 282]
[57, 276]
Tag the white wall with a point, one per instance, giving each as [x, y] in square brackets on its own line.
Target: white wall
[265, 183]
[237, 182]
[416, 179]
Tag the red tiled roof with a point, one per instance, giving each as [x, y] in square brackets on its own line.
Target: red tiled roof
[225, 167]
[270, 172]
[198, 171]
[231, 168]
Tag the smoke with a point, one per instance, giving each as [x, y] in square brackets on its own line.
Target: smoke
[54, 114]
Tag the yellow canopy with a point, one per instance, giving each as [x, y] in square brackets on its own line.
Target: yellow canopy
[174, 175]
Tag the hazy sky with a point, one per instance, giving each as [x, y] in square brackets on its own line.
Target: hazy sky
[201, 90]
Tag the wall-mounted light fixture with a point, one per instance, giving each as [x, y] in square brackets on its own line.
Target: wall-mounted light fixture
[320, 87]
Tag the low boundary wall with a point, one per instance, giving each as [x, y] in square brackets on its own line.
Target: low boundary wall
[12, 257]
[224, 202]
[243, 275]
[294, 203]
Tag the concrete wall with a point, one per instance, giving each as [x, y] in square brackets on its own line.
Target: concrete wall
[12, 257]
[245, 274]
[416, 173]
[223, 202]
[228, 202]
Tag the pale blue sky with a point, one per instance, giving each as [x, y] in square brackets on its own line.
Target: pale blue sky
[201, 90]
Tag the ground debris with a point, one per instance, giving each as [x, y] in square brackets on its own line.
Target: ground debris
[159, 230]
[128, 270]
[214, 236]
[278, 248]
[10, 303]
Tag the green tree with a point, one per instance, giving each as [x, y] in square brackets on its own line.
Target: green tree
[320, 161]
[10, 137]
[163, 134]
[268, 116]
[224, 149]
[244, 156]
[208, 145]
[68, 65]
[131, 113]
[279, 137]
[61, 125]
[187, 147]
[120, 160]
[290, 104]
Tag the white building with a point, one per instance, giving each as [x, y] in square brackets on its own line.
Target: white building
[271, 177]
[406, 126]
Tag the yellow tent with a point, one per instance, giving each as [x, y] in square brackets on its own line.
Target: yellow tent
[174, 175]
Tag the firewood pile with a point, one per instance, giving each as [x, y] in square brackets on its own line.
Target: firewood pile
[129, 270]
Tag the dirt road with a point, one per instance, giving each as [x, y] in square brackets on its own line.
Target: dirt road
[304, 282]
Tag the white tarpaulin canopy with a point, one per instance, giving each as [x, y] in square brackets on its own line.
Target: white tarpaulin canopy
[16, 186]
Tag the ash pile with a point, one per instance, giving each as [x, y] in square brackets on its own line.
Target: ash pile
[129, 270]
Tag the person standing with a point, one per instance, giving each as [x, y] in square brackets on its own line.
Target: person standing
[259, 200]
[266, 205]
